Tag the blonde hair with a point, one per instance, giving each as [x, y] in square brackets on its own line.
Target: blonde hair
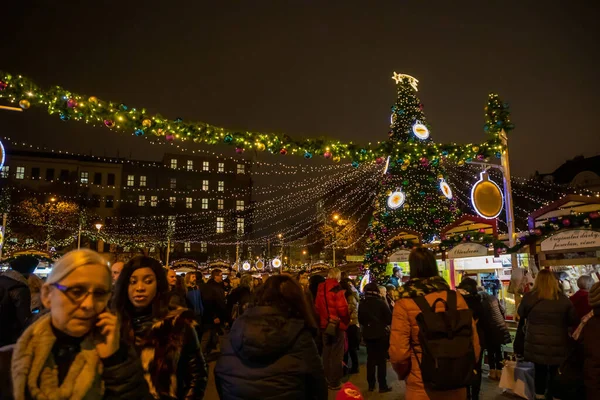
[74, 260]
[546, 285]
[334, 273]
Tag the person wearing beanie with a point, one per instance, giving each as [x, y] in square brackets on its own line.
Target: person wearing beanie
[589, 335]
[75, 351]
[375, 318]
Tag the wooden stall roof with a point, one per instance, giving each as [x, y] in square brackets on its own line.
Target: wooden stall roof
[471, 223]
[566, 205]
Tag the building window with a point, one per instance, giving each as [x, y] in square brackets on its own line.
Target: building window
[153, 201]
[141, 200]
[188, 202]
[84, 177]
[20, 173]
[35, 173]
[64, 175]
[174, 163]
[142, 180]
[110, 201]
[239, 205]
[205, 185]
[221, 187]
[5, 171]
[205, 204]
[221, 167]
[241, 169]
[49, 174]
[130, 180]
[203, 247]
[97, 178]
[110, 180]
[173, 183]
[190, 165]
[187, 247]
[220, 203]
[205, 165]
[220, 224]
[172, 201]
[96, 200]
[240, 226]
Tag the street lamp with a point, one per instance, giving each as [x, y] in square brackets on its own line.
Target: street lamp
[52, 199]
[98, 226]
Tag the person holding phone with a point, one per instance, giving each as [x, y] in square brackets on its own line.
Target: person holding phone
[165, 340]
[75, 350]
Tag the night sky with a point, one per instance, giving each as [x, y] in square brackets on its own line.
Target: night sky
[314, 68]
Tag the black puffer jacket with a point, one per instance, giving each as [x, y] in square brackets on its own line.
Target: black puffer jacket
[213, 300]
[269, 356]
[492, 320]
[547, 337]
[15, 306]
[475, 304]
[374, 316]
[591, 364]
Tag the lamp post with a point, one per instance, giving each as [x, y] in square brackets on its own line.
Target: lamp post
[336, 217]
[280, 237]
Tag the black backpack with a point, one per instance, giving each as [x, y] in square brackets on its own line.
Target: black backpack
[448, 356]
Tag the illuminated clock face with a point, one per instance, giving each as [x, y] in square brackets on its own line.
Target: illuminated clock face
[396, 199]
[246, 266]
[420, 131]
[276, 263]
[446, 190]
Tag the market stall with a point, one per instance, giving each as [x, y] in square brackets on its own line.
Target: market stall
[567, 239]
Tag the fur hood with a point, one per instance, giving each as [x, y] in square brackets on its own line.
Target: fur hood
[160, 345]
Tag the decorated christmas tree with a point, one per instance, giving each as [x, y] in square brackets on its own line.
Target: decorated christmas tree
[414, 196]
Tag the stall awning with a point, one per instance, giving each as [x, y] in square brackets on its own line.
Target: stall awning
[569, 204]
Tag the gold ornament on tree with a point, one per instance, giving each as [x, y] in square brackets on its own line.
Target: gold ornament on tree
[24, 104]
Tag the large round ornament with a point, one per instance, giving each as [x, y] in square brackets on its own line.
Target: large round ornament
[420, 130]
[396, 199]
[93, 99]
[445, 188]
[246, 266]
[24, 104]
[109, 123]
[276, 262]
[146, 123]
[260, 146]
[487, 197]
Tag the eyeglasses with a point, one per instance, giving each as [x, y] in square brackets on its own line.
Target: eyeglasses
[77, 294]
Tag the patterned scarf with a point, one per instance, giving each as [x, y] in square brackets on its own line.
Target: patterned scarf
[35, 374]
[422, 287]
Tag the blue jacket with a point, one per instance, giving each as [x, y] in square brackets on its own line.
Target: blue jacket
[195, 299]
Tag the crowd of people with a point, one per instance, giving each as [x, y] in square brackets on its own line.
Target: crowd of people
[139, 331]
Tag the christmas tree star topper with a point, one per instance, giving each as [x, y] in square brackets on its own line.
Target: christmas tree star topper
[412, 81]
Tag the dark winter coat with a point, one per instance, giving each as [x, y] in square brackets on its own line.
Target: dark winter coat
[269, 356]
[374, 317]
[591, 365]
[475, 304]
[173, 363]
[15, 306]
[177, 299]
[492, 320]
[242, 296]
[547, 337]
[213, 300]
[394, 281]
[336, 302]
[121, 374]
[581, 302]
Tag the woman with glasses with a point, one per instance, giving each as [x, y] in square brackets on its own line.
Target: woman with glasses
[166, 340]
[74, 351]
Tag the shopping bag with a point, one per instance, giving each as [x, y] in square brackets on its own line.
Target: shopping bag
[517, 378]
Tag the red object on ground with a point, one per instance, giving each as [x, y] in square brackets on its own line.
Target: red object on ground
[349, 391]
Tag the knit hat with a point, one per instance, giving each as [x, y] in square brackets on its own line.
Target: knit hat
[594, 295]
[349, 392]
